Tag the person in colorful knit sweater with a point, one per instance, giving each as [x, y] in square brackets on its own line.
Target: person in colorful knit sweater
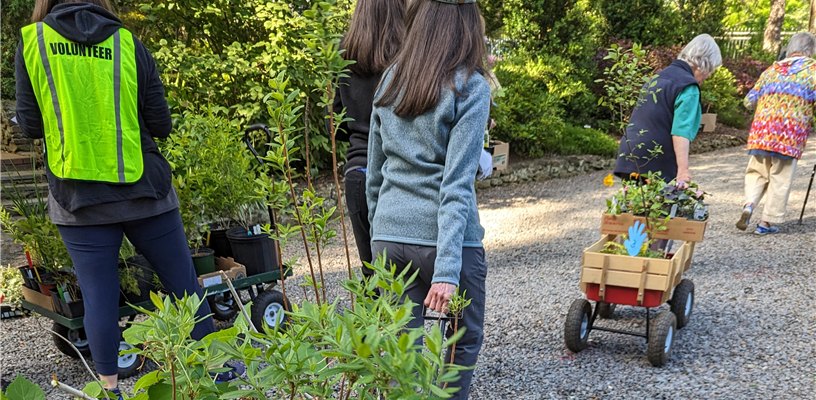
[784, 99]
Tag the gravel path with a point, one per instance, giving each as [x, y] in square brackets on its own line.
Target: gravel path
[752, 335]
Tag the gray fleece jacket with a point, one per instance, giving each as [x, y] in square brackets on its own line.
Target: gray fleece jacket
[421, 172]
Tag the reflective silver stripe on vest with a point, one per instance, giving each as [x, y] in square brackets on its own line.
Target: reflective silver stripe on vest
[53, 87]
[117, 66]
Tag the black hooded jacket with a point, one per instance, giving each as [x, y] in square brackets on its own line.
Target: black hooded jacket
[90, 24]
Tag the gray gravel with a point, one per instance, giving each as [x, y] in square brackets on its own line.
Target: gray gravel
[752, 335]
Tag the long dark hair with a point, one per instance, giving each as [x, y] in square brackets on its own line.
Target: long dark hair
[441, 39]
[43, 7]
[375, 35]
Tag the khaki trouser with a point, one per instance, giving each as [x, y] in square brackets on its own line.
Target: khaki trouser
[775, 176]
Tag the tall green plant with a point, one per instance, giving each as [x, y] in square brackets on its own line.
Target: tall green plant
[629, 83]
[323, 353]
[34, 230]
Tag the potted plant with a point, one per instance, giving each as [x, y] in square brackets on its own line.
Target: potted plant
[38, 236]
[709, 119]
[11, 293]
[214, 176]
[135, 275]
[67, 296]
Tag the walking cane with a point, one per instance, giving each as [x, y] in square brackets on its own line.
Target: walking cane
[812, 174]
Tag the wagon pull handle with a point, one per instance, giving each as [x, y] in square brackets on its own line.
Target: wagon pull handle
[253, 128]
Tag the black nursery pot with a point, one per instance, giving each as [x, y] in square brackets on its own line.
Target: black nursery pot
[28, 281]
[220, 243]
[74, 309]
[256, 252]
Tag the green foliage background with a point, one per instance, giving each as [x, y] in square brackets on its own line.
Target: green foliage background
[15, 15]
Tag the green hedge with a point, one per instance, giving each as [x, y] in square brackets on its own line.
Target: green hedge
[537, 91]
[15, 15]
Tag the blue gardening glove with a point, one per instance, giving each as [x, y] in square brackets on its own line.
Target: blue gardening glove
[485, 165]
[636, 238]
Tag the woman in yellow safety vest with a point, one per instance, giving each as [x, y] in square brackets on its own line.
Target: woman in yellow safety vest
[91, 90]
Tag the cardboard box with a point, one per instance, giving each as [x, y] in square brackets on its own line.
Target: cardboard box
[38, 299]
[676, 229]
[501, 154]
[232, 269]
[709, 122]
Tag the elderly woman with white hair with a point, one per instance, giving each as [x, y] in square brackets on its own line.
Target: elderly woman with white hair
[674, 119]
[784, 98]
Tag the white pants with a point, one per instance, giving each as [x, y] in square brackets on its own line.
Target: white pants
[774, 176]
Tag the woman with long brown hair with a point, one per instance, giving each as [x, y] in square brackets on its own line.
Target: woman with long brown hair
[373, 39]
[92, 91]
[426, 138]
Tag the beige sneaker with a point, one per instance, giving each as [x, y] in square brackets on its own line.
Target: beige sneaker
[745, 218]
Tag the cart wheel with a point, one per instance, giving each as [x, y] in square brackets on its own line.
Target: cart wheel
[576, 328]
[77, 338]
[661, 338]
[268, 309]
[222, 306]
[682, 302]
[129, 364]
[606, 309]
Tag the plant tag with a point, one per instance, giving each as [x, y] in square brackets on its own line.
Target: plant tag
[68, 298]
[673, 211]
[700, 211]
[211, 281]
[615, 206]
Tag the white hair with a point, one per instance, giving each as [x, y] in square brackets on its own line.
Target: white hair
[702, 53]
[803, 43]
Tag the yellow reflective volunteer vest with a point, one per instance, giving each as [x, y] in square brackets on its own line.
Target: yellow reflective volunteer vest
[88, 97]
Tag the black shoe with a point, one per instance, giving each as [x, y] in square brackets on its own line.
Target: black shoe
[116, 392]
[235, 372]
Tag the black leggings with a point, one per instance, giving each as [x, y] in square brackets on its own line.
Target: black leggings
[358, 213]
[95, 252]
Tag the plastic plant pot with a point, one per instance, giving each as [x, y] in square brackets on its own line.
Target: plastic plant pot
[203, 260]
[256, 252]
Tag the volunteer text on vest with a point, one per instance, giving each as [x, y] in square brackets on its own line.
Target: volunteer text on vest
[78, 49]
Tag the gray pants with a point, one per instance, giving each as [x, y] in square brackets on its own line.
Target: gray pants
[471, 279]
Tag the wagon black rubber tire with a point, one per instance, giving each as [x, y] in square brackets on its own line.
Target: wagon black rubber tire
[576, 327]
[268, 306]
[129, 364]
[77, 337]
[223, 306]
[606, 309]
[682, 302]
[661, 338]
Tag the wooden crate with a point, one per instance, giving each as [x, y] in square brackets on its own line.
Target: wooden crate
[682, 229]
[644, 274]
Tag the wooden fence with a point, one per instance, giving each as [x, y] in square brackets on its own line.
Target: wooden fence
[734, 42]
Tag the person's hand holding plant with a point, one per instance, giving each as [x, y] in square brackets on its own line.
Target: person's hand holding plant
[439, 296]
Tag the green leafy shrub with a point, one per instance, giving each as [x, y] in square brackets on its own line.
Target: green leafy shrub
[213, 171]
[323, 351]
[578, 140]
[530, 114]
[11, 286]
[719, 95]
[230, 49]
[16, 14]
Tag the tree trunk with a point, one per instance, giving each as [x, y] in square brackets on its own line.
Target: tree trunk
[773, 30]
[812, 25]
